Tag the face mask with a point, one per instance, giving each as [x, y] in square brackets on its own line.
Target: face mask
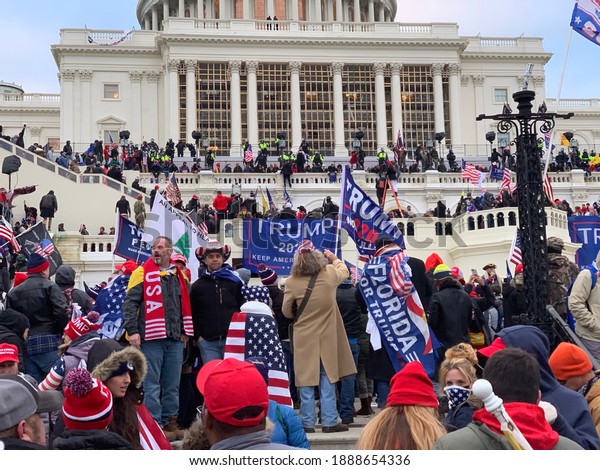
[457, 395]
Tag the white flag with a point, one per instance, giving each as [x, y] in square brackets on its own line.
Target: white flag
[165, 220]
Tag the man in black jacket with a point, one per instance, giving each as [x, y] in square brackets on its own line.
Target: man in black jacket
[44, 304]
[215, 297]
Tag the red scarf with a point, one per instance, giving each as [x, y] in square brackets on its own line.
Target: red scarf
[529, 419]
[154, 307]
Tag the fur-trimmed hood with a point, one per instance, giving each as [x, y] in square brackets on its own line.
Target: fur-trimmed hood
[104, 358]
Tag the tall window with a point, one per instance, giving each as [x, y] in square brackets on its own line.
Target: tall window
[214, 118]
[358, 95]
[273, 88]
[182, 104]
[316, 95]
[417, 105]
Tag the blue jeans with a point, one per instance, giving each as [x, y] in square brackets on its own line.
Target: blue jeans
[382, 389]
[329, 414]
[348, 388]
[211, 350]
[38, 365]
[165, 358]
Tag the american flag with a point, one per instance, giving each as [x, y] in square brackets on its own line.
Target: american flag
[547, 183]
[474, 176]
[548, 191]
[287, 197]
[172, 192]
[355, 272]
[203, 229]
[248, 156]
[399, 143]
[515, 256]
[109, 304]
[45, 248]
[506, 181]
[6, 233]
[255, 334]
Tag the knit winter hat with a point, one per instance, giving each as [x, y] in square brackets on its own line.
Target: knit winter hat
[267, 275]
[37, 263]
[88, 402]
[411, 386]
[82, 325]
[569, 360]
[441, 271]
[20, 277]
[519, 268]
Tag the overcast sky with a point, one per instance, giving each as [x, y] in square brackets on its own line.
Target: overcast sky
[30, 27]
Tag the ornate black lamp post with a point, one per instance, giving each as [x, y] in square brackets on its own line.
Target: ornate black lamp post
[531, 200]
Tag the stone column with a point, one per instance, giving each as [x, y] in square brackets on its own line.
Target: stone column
[339, 10]
[382, 140]
[200, 9]
[438, 97]
[338, 111]
[356, 11]
[294, 14]
[381, 13]
[317, 10]
[173, 104]
[454, 98]
[86, 104]
[294, 68]
[154, 19]
[330, 16]
[396, 101]
[166, 13]
[236, 109]
[252, 113]
[77, 110]
[371, 11]
[147, 23]
[181, 9]
[190, 97]
[66, 105]
[482, 145]
[150, 108]
[135, 124]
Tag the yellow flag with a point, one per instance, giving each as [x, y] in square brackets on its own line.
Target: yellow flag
[563, 140]
[264, 202]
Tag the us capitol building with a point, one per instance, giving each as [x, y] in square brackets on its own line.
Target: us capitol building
[320, 70]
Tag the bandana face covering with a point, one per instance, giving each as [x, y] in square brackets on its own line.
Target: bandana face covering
[457, 395]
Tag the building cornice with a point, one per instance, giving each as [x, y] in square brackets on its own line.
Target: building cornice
[500, 56]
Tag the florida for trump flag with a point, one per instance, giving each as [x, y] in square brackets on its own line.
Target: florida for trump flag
[255, 334]
[586, 19]
[396, 310]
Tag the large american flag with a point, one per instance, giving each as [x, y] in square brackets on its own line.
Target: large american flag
[45, 248]
[172, 192]
[469, 172]
[7, 234]
[203, 229]
[109, 304]
[506, 181]
[547, 183]
[515, 256]
[548, 191]
[255, 334]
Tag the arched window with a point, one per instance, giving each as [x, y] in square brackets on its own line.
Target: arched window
[448, 228]
[512, 218]
[400, 226]
[410, 229]
[490, 220]
[500, 219]
[471, 223]
[438, 228]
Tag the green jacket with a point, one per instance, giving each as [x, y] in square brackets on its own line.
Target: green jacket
[477, 436]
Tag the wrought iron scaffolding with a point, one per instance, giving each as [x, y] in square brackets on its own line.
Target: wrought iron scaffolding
[531, 201]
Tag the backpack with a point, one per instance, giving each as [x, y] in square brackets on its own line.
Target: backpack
[594, 272]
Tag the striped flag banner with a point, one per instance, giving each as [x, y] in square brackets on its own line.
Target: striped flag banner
[507, 181]
[7, 234]
[471, 173]
[548, 191]
[172, 192]
[255, 335]
[515, 255]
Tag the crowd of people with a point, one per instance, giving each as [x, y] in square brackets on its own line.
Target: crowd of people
[169, 372]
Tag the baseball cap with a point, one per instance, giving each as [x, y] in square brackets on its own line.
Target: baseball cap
[19, 400]
[8, 353]
[489, 351]
[230, 385]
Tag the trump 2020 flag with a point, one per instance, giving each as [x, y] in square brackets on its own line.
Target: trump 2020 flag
[255, 334]
[396, 309]
[363, 219]
[586, 19]
[130, 243]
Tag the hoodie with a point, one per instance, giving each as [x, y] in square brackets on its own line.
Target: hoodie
[65, 279]
[574, 419]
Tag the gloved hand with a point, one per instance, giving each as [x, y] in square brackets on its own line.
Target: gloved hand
[550, 412]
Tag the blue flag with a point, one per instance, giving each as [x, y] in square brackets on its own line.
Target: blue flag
[586, 19]
[397, 311]
[585, 229]
[286, 196]
[496, 173]
[363, 219]
[274, 242]
[129, 243]
[109, 304]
